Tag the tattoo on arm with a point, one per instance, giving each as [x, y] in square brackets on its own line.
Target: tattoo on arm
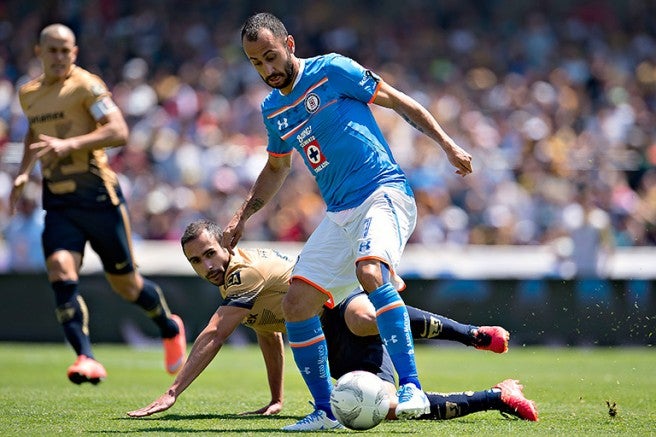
[412, 123]
[255, 205]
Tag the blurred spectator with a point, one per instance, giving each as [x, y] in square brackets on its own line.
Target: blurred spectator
[551, 103]
[23, 233]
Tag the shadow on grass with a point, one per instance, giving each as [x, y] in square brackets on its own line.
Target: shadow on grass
[206, 416]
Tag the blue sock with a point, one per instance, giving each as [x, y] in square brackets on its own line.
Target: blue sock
[310, 350]
[394, 327]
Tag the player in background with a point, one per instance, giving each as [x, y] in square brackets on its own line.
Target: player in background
[253, 283]
[72, 119]
[319, 107]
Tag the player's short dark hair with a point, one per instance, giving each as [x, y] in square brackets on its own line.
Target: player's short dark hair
[263, 20]
[195, 228]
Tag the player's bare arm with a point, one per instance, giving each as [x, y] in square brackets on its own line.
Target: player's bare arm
[112, 132]
[27, 164]
[266, 186]
[222, 324]
[273, 351]
[422, 120]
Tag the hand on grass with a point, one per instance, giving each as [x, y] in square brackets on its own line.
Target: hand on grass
[268, 410]
[163, 403]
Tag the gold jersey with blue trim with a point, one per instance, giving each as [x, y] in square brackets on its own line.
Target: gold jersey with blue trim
[64, 110]
[258, 279]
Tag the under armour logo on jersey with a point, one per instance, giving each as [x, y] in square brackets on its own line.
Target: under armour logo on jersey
[282, 124]
[307, 371]
[392, 339]
[365, 246]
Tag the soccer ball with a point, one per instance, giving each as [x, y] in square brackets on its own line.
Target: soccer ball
[359, 400]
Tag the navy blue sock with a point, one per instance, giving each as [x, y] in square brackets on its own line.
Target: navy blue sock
[153, 303]
[426, 325]
[72, 314]
[444, 406]
[394, 327]
[310, 350]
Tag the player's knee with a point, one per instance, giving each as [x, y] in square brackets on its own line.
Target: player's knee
[370, 274]
[127, 286]
[360, 317]
[61, 266]
[291, 306]
[301, 303]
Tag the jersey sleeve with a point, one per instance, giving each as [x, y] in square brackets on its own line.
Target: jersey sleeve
[97, 97]
[276, 146]
[243, 286]
[352, 79]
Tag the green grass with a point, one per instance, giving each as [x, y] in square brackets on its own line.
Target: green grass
[570, 386]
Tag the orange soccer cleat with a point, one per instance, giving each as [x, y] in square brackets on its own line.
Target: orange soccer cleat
[175, 348]
[492, 338]
[86, 369]
[516, 404]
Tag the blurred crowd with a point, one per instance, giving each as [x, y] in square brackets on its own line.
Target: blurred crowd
[555, 100]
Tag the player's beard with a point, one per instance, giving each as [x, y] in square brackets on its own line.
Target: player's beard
[288, 75]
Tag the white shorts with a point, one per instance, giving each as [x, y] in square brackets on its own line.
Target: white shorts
[377, 229]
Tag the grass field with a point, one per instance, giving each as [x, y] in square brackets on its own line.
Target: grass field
[570, 386]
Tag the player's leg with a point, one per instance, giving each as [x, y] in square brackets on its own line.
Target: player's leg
[386, 222]
[110, 239]
[63, 246]
[320, 277]
[430, 326]
[360, 317]
[301, 306]
[506, 397]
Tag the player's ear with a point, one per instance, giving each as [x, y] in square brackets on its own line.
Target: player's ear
[37, 50]
[291, 44]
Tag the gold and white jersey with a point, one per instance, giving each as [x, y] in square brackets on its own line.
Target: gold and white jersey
[257, 279]
[63, 110]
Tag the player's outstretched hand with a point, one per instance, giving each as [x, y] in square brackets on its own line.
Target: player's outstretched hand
[17, 191]
[268, 410]
[163, 403]
[460, 159]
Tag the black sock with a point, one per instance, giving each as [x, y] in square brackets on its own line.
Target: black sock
[153, 303]
[72, 314]
[426, 325]
[444, 406]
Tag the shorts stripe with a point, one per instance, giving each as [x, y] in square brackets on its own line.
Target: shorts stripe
[389, 307]
[306, 343]
[396, 218]
[330, 303]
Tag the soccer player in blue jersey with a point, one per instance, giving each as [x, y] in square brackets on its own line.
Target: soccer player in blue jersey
[320, 107]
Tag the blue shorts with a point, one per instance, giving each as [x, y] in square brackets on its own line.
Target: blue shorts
[107, 230]
[348, 352]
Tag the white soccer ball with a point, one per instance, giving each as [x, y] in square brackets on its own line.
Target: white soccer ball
[360, 400]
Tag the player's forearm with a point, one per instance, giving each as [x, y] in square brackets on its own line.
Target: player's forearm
[109, 135]
[205, 348]
[29, 157]
[264, 189]
[422, 120]
[273, 351]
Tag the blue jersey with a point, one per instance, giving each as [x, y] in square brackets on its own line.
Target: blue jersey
[326, 118]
